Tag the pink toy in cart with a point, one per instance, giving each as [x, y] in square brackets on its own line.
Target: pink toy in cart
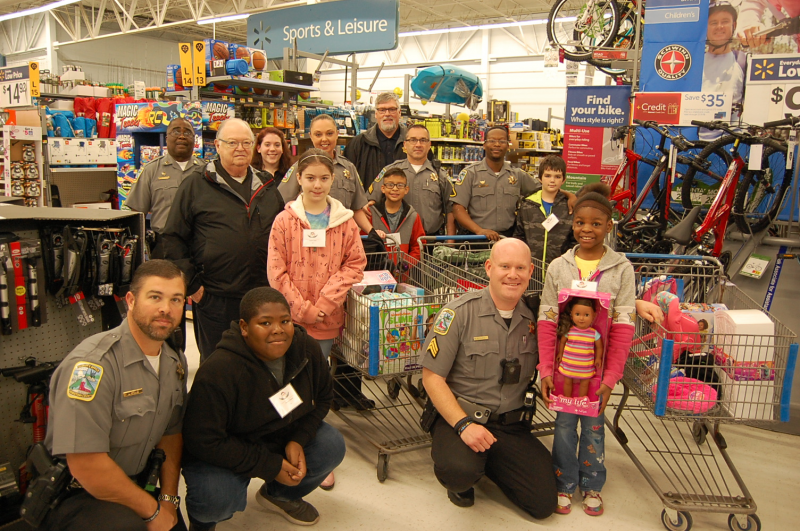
[677, 326]
[584, 322]
[689, 395]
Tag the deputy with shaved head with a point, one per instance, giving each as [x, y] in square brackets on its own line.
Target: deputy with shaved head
[479, 363]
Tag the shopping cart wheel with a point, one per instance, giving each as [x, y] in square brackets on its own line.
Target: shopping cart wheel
[383, 467]
[699, 431]
[393, 387]
[684, 522]
[753, 523]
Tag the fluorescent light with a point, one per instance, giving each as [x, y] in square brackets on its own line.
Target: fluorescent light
[485, 26]
[40, 9]
[222, 19]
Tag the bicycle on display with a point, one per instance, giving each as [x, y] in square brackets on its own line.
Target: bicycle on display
[597, 24]
[755, 202]
[641, 229]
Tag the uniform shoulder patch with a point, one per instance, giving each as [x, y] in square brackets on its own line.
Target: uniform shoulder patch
[288, 175]
[84, 381]
[443, 322]
[458, 179]
[433, 348]
[379, 178]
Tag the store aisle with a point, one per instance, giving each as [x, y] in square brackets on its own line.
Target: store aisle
[412, 499]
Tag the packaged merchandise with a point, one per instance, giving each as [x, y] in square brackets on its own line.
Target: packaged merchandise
[749, 335]
[375, 282]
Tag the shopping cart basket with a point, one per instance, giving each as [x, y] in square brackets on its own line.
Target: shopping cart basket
[678, 387]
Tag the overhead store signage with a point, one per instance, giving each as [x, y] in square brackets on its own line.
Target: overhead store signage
[773, 88]
[680, 108]
[347, 26]
[18, 84]
[672, 11]
[597, 106]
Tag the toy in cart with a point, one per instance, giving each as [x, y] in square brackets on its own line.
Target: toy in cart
[584, 323]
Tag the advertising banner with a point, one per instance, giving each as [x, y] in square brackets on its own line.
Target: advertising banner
[773, 88]
[598, 106]
[680, 108]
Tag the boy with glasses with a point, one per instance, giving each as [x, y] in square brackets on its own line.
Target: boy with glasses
[398, 219]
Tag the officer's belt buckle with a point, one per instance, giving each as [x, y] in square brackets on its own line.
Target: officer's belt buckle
[74, 485]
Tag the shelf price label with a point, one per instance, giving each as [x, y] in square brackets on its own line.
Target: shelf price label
[15, 86]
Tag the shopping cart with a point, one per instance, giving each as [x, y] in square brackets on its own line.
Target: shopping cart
[382, 340]
[744, 378]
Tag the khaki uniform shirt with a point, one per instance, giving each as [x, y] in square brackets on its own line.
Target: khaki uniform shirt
[468, 342]
[491, 199]
[105, 397]
[347, 187]
[429, 193]
[155, 188]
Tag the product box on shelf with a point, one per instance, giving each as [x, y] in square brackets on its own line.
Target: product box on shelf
[215, 112]
[217, 50]
[174, 78]
[291, 76]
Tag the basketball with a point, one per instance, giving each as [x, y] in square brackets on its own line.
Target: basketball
[243, 53]
[305, 95]
[221, 51]
[259, 60]
[276, 93]
[178, 77]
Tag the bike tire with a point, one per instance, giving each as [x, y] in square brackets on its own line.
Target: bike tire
[578, 44]
[694, 177]
[760, 194]
[718, 158]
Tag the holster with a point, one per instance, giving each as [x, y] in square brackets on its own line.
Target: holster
[48, 487]
[429, 415]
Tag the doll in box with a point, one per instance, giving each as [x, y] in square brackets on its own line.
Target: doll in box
[580, 347]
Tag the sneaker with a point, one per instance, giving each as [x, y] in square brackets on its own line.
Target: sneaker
[298, 512]
[592, 503]
[564, 503]
[462, 499]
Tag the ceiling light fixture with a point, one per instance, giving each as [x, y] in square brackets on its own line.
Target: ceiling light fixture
[35, 10]
[484, 26]
[229, 18]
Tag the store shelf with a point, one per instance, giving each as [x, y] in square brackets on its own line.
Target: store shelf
[247, 82]
[557, 150]
[457, 141]
[306, 136]
[178, 94]
[54, 96]
[56, 169]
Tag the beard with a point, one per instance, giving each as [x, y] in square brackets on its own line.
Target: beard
[150, 329]
[388, 127]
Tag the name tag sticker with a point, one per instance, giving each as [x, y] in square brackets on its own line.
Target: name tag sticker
[394, 239]
[550, 222]
[585, 285]
[313, 237]
[286, 400]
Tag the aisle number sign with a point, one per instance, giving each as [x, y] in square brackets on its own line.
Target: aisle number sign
[680, 108]
[199, 48]
[187, 71]
[18, 84]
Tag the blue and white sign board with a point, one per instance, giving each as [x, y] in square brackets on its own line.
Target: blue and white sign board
[773, 88]
[598, 106]
[342, 27]
[672, 11]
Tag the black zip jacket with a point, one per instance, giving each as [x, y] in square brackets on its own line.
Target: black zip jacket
[219, 238]
[364, 151]
[229, 421]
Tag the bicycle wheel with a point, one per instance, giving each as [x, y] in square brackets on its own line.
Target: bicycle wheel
[700, 183]
[760, 194]
[623, 40]
[715, 161]
[595, 26]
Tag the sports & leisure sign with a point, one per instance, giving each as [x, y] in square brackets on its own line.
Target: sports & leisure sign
[346, 26]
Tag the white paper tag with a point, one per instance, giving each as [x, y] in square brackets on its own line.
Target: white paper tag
[313, 237]
[585, 285]
[394, 239]
[286, 400]
[790, 154]
[550, 222]
[756, 151]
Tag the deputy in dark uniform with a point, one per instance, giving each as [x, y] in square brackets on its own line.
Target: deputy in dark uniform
[486, 193]
[347, 187]
[114, 399]
[477, 342]
[158, 181]
[429, 188]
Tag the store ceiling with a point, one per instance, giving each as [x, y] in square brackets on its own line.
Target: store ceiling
[98, 17]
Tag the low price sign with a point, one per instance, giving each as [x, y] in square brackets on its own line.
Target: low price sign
[18, 84]
[680, 108]
[773, 88]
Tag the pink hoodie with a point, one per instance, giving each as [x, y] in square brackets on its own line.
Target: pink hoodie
[315, 279]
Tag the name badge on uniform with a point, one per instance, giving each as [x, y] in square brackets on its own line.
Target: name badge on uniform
[163, 177]
[313, 237]
[482, 184]
[550, 222]
[286, 400]
[585, 285]
[394, 239]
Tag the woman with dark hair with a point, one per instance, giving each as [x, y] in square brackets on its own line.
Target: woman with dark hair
[272, 153]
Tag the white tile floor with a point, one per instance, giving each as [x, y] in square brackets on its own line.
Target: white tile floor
[412, 499]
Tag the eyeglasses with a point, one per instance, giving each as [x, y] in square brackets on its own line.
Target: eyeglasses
[177, 133]
[386, 110]
[247, 144]
[392, 186]
[495, 142]
[417, 140]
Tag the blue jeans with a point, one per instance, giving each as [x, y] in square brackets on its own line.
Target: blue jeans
[213, 494]
[589, 468]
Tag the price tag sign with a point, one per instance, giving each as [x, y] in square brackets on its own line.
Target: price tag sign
[15, 87]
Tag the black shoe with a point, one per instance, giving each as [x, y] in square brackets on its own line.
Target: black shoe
[462, 499]
[359, 403]
[201, 527]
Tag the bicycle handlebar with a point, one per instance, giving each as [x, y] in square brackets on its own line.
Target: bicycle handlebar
[789, 120]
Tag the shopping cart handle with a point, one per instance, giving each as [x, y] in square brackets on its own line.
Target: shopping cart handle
[459, 238]
[651, 256]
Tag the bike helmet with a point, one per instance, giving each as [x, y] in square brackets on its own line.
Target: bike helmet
[727, 7]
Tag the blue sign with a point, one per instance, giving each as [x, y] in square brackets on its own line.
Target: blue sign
[672, 15]
[347, 26]
[598, 106]
[671, 3]
[784, 68]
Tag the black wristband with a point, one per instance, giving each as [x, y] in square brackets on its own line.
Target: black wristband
[464, 427]
[462, 424]
[155, 514]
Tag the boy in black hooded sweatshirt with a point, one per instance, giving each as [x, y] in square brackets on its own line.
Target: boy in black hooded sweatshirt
[256, 410]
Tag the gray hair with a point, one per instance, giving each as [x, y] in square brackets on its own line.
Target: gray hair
[224, 125]
[386, 97]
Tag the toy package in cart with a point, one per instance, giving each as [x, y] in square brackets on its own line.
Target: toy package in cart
[590, 404]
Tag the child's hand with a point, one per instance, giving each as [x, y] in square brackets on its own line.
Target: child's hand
[649, 312]
[604, 393]
[598, 363]
[320, 317]
[381, 234]
[547, 386]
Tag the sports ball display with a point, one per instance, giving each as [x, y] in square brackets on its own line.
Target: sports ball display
[259, 60]
[305, 95]
[243, 53]
[221, 51]
[178, 77]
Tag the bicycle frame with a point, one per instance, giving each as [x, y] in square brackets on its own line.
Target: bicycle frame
[716, 220]
[629, 167]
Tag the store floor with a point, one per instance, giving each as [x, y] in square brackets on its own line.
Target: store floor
[412, 499]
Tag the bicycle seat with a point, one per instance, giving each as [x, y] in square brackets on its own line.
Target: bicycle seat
[682, 232]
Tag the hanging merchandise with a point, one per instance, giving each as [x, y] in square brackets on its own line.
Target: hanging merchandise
[448, 84]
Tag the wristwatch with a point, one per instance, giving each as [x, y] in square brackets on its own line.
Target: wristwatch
[174, 500]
